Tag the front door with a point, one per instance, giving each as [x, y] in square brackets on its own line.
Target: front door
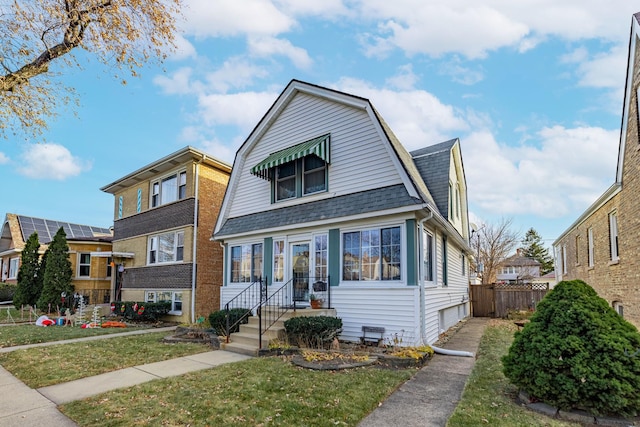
[300, 263]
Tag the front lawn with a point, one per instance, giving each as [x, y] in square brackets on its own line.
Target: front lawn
[489, 398]
[255, 392]
[11, 336]
[44, 366]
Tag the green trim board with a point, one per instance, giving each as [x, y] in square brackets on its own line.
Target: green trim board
[267, 259]
[318, 146]
[334, 256]
[412, 259]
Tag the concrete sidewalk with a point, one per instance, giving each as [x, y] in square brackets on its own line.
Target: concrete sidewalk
[430, 397]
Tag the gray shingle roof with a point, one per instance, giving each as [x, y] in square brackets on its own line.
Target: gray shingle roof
[433, 165]
[394, 196]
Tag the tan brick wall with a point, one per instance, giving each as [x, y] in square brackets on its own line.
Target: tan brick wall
[616, 281]
[212, 186]
[98, 270]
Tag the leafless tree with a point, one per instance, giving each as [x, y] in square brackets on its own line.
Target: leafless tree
[494, 243]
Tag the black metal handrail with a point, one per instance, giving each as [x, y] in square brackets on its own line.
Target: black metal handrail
[250, 299]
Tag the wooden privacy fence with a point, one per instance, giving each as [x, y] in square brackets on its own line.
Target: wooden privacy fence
[496, 300]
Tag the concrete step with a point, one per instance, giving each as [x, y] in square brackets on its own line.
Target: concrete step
[235, 347]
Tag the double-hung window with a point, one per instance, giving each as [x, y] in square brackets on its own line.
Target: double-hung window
[278, 261]
[370, 255]
[590, 247]
[613, 235]
[169, 189]
[428, 256]
[320, 261]
[167, 247]
[13, 267]
[246, 263]
[84, 265]
[300, 177]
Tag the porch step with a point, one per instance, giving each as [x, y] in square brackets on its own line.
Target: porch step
[246, 341]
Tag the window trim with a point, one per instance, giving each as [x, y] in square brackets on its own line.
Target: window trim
[403, 261]
[590, 248]
[299, 177]
[155, 188]
[429, 279]
[83, 264]
[252, 246]
[13, 261]
[614, 254]
[152, 296]
[154, 240]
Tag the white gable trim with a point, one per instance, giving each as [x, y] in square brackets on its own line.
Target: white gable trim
[635, 32]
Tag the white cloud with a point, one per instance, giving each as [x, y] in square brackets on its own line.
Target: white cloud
[269, 46]
[239, 109]
[213, 18]
[184, 49]
[604, 70]
[235, 73]
[4, 159]
[51, 161]
[560, 173]
[178, 83]
[405, 78]
[461, 74]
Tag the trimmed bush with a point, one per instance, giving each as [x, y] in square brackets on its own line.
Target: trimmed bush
[577, 353]
[312, 331]
[142, 311]
[7, 291]
[218, 320]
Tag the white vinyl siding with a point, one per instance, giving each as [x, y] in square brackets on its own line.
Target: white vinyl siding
[355, 146]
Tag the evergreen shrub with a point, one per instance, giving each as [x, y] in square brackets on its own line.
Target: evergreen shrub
[312, 331]
[577, 353]
[218, 320]
[142, 311]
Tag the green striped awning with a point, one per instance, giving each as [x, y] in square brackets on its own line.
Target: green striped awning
[318, 146]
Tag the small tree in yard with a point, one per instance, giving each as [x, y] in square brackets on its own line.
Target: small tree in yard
[29, 284]
[57, 273]
[577, 352]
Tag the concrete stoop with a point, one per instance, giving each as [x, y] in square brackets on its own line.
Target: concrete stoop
[246, 340]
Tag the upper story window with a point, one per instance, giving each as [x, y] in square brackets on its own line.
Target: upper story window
[300, 178]
[167, 247]
[246, 263]
[590, 246]
[84, 265]
[169, 189]
[298, 170]
[613, 235]
[372, 255]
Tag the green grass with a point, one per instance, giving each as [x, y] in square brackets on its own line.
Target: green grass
[489, 398]
[11, 315]
[11, 336]
[255, 392]
[43, 366]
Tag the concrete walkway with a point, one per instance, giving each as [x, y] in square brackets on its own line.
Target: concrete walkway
[430, 397]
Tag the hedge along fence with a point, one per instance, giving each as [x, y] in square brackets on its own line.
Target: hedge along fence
[312, 331]
[7, 291]
[142, 311]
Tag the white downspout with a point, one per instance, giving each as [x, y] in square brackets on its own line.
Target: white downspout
[195, 240]
[423, 314]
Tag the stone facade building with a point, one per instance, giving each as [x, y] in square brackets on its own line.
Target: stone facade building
[602, 247]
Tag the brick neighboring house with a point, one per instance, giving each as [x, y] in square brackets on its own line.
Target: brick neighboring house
[91, 274]
[518, 269]
[162, 220]
[601, 247]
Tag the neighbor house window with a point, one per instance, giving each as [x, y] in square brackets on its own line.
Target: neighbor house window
[613, 235]
[590, 246]
[175, 298]
[167, 247]
[618, 307]
[372, 255]
[300, 178]
[169, 189]
[246, 263]
[564, 259]
[450, 201]
[13, 267]
[278, 261]
[320, 250]
[109, 267]
[578, 250]
[457, 201]
[84, 265]
[428, 252]
[464, 265]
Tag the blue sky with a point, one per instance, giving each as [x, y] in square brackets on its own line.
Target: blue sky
[533, 90]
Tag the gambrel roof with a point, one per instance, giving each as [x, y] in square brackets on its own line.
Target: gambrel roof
[417, 174]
